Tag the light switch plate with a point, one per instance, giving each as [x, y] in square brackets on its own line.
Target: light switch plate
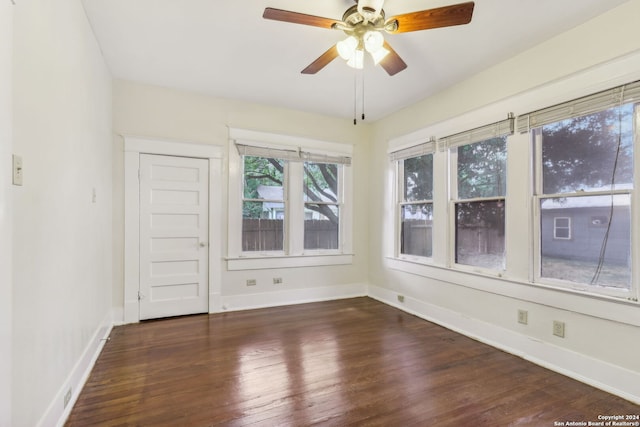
[17, 170]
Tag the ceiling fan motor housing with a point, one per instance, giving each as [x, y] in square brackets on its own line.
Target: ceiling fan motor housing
[370, 9]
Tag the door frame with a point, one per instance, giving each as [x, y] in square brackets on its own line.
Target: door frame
[133, 148]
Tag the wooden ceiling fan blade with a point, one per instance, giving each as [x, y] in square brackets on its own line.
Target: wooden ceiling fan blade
[298, 18]
[392, 63]
[447, 16]
[322, 61]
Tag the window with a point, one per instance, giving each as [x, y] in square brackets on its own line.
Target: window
[478, 193]
[263, 204]
[321, 205]
[416, 205]
[480, 203]
[414, 201]
[562, 228]
[584, 189]
[288, 197]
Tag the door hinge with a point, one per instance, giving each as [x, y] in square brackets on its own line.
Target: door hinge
[140, 296]
[139, 174]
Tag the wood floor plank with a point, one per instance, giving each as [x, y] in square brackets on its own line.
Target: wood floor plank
[348, 362]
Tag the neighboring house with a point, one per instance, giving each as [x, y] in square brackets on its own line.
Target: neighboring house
[275, 210]
[575, 228]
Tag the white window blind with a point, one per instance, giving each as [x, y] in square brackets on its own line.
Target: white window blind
[414, 151]
[482, 133]
[579, 107]
[292, 155]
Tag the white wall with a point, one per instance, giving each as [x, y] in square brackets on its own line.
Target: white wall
[151, 111]
[62, 240]
[601, 343]
[6, 30]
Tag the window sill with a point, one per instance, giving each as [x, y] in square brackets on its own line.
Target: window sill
[283, 261]
[622, 310]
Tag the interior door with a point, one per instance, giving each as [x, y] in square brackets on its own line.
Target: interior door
[174, 250]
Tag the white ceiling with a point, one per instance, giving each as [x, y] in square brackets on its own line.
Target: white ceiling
[226, 49]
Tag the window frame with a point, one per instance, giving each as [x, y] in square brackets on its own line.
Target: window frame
[401, 203]
[454, 200]
[284, 201]
[293, 253]
[340, 203]
[538, 195]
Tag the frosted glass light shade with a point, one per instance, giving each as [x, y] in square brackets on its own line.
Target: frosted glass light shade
[373, 40]
[357, 60]
[347, 47]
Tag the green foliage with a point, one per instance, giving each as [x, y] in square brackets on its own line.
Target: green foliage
[482, 169]
[320, 185]
[418, 178]
[583, 152]
[259, 171]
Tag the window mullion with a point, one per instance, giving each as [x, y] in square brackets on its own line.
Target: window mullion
[295, 209]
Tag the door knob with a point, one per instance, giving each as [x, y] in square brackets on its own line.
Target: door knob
[203, 244]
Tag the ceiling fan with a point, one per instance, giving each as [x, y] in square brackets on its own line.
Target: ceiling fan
[364, 24]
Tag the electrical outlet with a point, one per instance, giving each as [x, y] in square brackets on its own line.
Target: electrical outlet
[523, 317]
[400, 298]
[251, 282]
[277, 280]
[67, 397]
[17, 170]
[558, 328]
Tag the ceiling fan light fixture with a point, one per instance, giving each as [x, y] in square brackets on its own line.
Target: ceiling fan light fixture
[347, 48]
[357, 60]
[373, 40]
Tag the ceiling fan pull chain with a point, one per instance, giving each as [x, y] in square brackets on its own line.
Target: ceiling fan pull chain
[355, 96]
[363, 94]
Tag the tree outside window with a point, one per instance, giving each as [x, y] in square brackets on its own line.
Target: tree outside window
[416, 206]
[321, 206]
[263, 204]
[587, 172]
[480, 205]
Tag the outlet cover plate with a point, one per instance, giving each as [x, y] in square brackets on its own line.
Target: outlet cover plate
[17, 170]
[523, 317]
[558, 328]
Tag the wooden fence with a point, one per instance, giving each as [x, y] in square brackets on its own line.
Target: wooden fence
[416, 237]
[268, 234]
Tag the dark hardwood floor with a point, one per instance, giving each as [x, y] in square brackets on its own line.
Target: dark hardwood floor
[339, 363]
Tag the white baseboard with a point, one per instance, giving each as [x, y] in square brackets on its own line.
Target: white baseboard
[292, 296]
[57, 414]
[602, 375]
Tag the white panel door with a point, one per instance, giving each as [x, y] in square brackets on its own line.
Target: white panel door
[174, 250]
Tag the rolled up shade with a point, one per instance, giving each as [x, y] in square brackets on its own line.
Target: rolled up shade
[297, 155]
[414, 151]
[482, 133]
[581, 106]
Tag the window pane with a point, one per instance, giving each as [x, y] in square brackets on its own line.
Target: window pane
[321, 225]
[416, 229]
[262, 226]
[598, 251]
[482, 169]
[320, 182]
[562, 228]
[263, 178]
[586, 152]
[418, 178]
[480, 234]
